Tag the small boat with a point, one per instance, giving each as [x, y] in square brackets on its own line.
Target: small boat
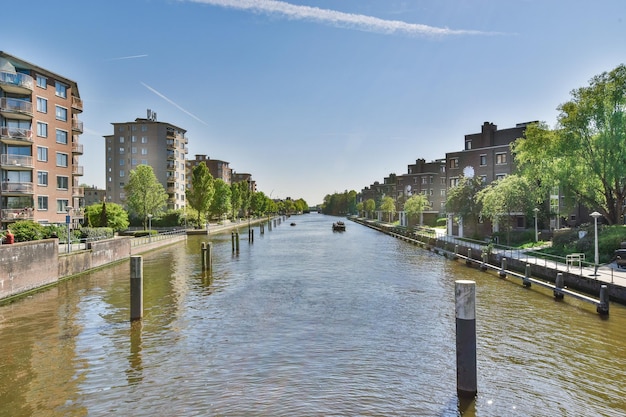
[339, 227]
[292, 224]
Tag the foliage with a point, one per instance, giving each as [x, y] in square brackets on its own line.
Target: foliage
[27, 230]
[144, 193]
[171, 218]
[95, 233]
[235, 199]
[258, 203]
[220, 205]
[463, 201]
[338, 204]
[359, 207]
[116, 217]
[416, 205]
[370, 206]
[200, 195]
[586, 154]
[388, 205]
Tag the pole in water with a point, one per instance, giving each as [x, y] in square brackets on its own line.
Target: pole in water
[203, 255]
[237, 241]
[209, 256]
[465, 299]
[502, 272]
[232, 240]
[468, 261]
[603, 307]
[252, 235]
[136, 288]
[558, 286]
[526, 280]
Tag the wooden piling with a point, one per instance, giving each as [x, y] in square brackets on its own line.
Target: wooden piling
[466, 375]
[136, 288]
[237, 241]
[502, 271]
[468, 261]
[209, 256]
[526, 280]
[558, 286]
[203, 255]
[232, 240]
[603, 307]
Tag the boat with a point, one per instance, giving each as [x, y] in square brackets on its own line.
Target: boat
[339, 226]
[293, 224]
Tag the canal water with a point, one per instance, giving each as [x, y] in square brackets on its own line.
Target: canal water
[304, 322]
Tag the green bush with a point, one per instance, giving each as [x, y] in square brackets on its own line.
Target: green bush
[95, 233]
[27, 230]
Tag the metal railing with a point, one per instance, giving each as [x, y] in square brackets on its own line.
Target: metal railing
[16, 160]
[151, 238]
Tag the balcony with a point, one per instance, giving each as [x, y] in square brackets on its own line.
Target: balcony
[78, 192]
[16, 83]
[77, 170]
[14, 108]
[77, 148]
[16, 136]
[77, 104]
[171, 188]
[8, 161]
[170, 134]
[9, 215]
[16, 188]
[171, 166]
[77, 213]
[170, 144]
[77, 126]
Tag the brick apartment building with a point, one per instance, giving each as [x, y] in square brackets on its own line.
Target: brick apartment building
[39, 144]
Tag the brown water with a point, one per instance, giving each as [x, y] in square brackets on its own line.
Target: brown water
[304, 322]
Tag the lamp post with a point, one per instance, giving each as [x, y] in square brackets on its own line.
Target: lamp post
[68, 221]
[595, 216]
[536, 210]
[149, 227]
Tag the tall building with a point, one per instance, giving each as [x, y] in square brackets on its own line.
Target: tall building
[218, 169]
[39, 144]
[160, 145]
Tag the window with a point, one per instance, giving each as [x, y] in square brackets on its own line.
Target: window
[454, 182]
[42, 129]
[144, 151]
[483, 179]
[42, 82]
[121, 139]
[424, 180]
[61, 113]
[144, 139]
[61, 159]
[144, 162]
[483, 160]
[121, 151]
[61, 90]
[144, 128]
[500, 176]
[500, 158]
[133, 150]
[133, 138]
[134, 128]
[62, 136]
[62, 182]
[42, 202]
[42, 178]
[62, 206]
[454, 163]
[133, 161]
[121, 162]
[122, 173]
[42, 154]
[468, 145]
[42, 105]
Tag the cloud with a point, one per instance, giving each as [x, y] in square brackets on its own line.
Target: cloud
[338, 19]
[174, 104]
[127, 57]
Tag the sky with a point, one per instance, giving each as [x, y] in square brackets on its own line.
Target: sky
[315, 97]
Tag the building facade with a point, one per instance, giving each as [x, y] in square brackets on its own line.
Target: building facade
[218, 169]
[162, 146]
[428, 179]
[39, 144]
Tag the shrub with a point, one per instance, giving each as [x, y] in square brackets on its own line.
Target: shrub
[27, 230]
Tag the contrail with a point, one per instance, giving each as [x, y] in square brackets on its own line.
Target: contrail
[127, 57]
[338, 19]
[174, 104]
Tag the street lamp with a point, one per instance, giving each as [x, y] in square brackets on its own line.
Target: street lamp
[595, 216]
[149, 227]
[68, 221]
[536, 210]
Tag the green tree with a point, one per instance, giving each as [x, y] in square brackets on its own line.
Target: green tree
[235, 199]
[586, 154]
[200, 195]
[116, 217]
[416, 205]
[144, 193]
[246, 197]
[220, 204]
[258, 203]
[462, 200]
[388, 205]
[359, 207]
[505, 197]
[370, 206]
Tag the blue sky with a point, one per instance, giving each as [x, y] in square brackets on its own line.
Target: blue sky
[314, 97]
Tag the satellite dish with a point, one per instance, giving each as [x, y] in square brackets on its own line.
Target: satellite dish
[407, 189]
[468, 172]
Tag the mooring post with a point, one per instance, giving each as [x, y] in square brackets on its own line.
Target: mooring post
[136, 288]
[232, 240]
[526, 280]
[502, 272]
[203, 255]
[558, 294]
[483, 266]
[251, 235]
[465, 298]
[603, 307]
[468, 261]
[269, 225]
[237, 241]
[209, 256]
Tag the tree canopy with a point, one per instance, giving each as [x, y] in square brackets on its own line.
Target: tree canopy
[220, 205]
[416, 205]
[388, 205]
[200, 195]
[462, 200]
[144, 193]
[586, 154]
[115, 216]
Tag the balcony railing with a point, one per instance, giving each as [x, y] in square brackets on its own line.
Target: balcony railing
[77, 148]
[15, 134]
[78, 191]
[15, 108]
[16, 161]
[9, 187]
[16, 82]
[17, 214]
[77, 170]
[170, 144]
[77, 126]
[77, 104]
[77, 213]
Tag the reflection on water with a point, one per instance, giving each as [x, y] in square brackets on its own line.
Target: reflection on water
[303, 321]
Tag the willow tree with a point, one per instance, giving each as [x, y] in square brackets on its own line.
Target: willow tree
[145, 195]
[200, 195]
[586, 154]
